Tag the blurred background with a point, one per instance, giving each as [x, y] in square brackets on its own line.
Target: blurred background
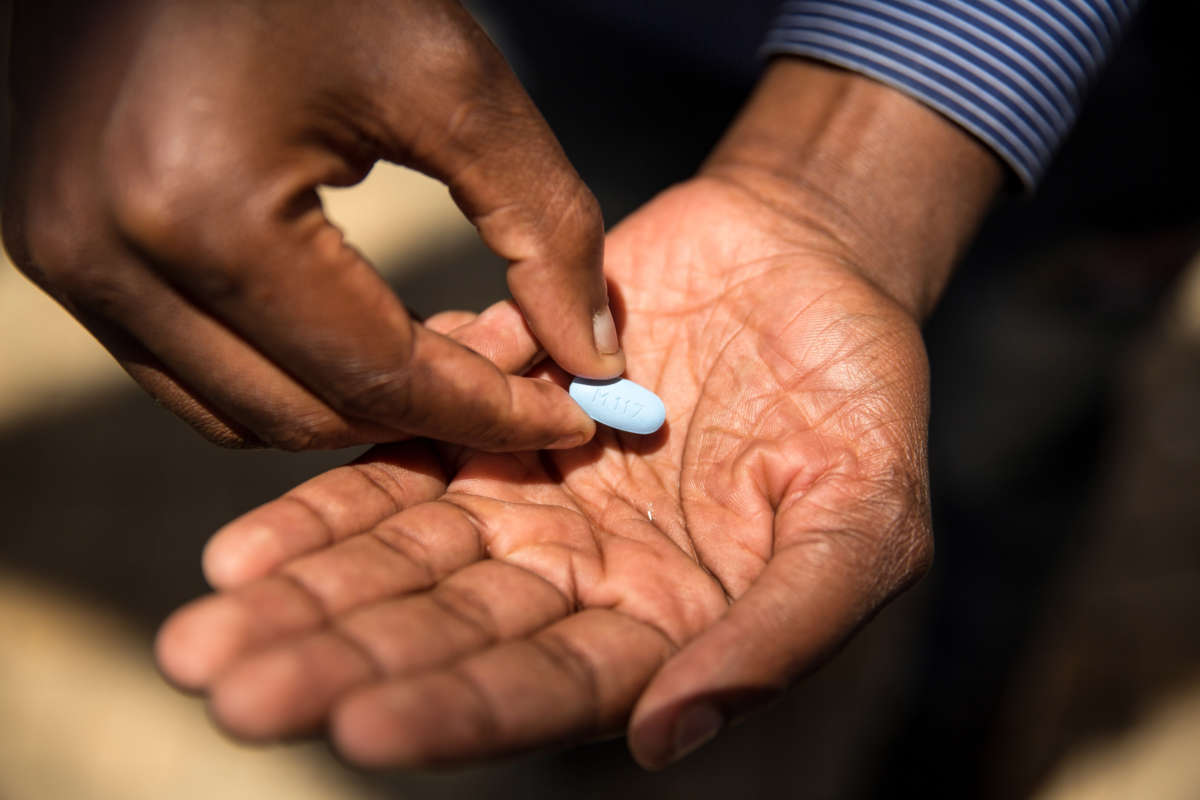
[1054, 650]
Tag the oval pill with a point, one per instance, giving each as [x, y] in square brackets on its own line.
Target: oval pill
[619, 403]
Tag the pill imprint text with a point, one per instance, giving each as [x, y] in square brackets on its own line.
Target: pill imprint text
[621, 405]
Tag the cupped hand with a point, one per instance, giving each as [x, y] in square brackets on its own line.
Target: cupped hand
[431, 605]
[165, 156]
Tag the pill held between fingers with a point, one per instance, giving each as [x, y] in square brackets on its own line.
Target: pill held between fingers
[619, 403]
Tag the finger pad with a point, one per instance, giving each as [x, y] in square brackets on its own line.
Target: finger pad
[196, 642]
[286, 691]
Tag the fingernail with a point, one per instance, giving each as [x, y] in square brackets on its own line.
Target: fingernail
[694, 728]
[604, 331]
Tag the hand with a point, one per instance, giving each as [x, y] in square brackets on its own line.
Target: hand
[432, 604]
[443, 606]
[162, 188]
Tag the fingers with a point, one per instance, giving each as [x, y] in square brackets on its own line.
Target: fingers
[407, 552]
[576, 678]
[239, 233]
[500, 334]
[234, 393]
[269, 265]
[200, 640]
[323, 510]
[288, 689]
[487, 141]
[457, 672]
[153, 376]
[311, 308]
[196, 231]
[203, 372]
[385, 480]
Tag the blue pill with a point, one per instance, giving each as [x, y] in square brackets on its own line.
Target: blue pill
[620, 403]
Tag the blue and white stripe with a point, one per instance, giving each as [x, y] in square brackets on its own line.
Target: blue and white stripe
[1012, 72]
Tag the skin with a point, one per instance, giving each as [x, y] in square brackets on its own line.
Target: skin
[165, 155]
[430, 605]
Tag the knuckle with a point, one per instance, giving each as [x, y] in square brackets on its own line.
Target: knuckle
[466, 59]
[586, 211]
[99, 288]
[379, 397]
[53, 250]
[176, 216]
[42, 233]
[573, 664]
[556, 221]
[573, 221]
[292, 438]
[70, 263]
[467, 76]
[569, 227]
[473, 85]
[296, 433]
[370, 392]
[49, 222]
[467, 607]
[156, 199]
[588, 222]
[176, 199]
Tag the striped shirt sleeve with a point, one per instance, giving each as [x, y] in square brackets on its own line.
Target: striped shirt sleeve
[1012, 72]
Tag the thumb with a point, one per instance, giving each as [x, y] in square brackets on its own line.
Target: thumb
[480, 133]
[810, 598]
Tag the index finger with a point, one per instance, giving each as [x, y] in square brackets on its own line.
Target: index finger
[323, 510]
[478, 131]
[241, 234]
[288, 286]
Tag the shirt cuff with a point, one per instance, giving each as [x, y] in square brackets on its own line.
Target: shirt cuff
[1011, 72]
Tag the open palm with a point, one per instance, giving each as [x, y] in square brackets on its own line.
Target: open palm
[431, 604]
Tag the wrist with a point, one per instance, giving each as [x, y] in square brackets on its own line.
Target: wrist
[899, 188]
